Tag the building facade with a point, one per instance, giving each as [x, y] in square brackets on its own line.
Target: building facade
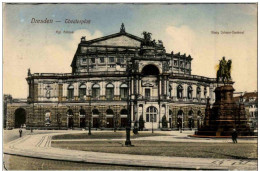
[114, 78]
[250, 100]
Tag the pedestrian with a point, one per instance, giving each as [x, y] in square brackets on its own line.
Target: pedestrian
[234, 136]
[20, 131]
[31, 130]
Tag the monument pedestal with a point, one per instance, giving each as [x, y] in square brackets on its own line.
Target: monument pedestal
[224, 116]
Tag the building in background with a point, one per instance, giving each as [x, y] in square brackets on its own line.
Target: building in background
[110, 76]
[250, 99]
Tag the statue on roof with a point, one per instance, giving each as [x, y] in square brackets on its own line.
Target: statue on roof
[29, 72]
[148, 39]
[224, 70]
[122, 29]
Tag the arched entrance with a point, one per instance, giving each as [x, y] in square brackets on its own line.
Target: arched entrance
[150, 70]
[95, 113]
[170, 117]
[180, 116]
[82, 118]
[110, 118]
[191, 120]
[70, 118]
[20, 117]
[123, 114]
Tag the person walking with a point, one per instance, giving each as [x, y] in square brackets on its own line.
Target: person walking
[20, 131]
[234, 136]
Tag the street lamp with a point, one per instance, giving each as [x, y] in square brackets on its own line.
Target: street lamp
[89, 117]
[152, 122]
[128, 127]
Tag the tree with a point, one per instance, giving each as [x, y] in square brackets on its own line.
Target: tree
[141, 123]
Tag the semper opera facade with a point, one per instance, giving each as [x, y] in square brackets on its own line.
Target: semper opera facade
[110, 76]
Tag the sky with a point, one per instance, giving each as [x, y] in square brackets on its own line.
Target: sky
[184, 28]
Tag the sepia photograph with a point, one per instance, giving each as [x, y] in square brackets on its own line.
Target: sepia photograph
[130, 86]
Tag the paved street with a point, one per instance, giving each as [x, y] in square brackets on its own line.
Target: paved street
[38, 145]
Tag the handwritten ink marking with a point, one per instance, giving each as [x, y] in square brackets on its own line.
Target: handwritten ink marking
[41, 21]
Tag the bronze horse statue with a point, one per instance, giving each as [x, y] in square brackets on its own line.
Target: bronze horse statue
[224, 71]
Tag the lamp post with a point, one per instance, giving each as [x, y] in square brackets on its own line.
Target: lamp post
[128, 127]
[152, 122]
[89, 121]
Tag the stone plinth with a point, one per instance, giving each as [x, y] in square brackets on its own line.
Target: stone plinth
[225, 115]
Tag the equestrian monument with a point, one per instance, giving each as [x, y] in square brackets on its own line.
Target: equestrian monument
[225, 115]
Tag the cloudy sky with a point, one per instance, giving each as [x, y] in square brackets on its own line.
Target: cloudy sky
[184, 28]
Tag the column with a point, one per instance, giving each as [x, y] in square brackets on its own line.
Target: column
[132, 114]
[160, 85]
[165, 86]
[65, 86]
[76, 89]
[139, 85]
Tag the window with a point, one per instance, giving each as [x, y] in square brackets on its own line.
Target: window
[179, 92]
[84, 60]
[47, 118]
[102, 60]
[111, 59]
[151, 114]
[82, 112]
[190, 92]
[95, 91]
[198, 92]
[181, 64]
[93, 60]
[205, 92]
[147, 93]
[123, 91]
[175, 62]
[70, 92]
[110, 112]
[95, 112]
[48, 92]
[110, 91]
[82, 91]
[120, 60]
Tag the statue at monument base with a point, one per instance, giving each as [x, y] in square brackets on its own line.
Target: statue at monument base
[224, 116]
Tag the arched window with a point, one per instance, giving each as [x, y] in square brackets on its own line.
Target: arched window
[95, 91]
[179, 92]
[70, 92]
[190, 92]
[110, 91]
[198, 92]
[110, 112]
[123, 91]
[47, 118]
[82, 112]
[123, 112]
[70, 112]
[95, 112]
[205, 92]
[82, 90]
[151, 114]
